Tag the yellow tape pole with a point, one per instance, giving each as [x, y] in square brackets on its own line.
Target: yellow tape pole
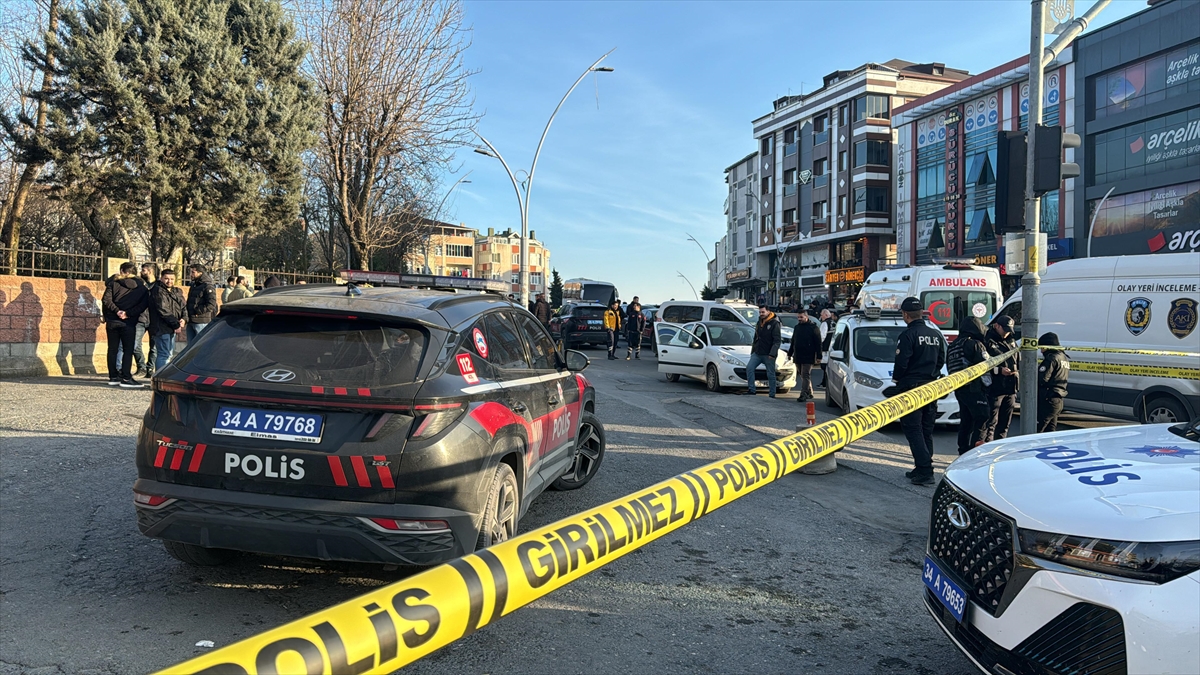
[397, 624]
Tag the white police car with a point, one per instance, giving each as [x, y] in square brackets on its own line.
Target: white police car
[1072, 552]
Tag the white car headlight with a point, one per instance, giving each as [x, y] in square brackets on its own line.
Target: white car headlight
[868, 381]
[1159, 562]
[732, 360]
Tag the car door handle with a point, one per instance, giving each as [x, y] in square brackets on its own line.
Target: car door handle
[517, 406]
[554, 400]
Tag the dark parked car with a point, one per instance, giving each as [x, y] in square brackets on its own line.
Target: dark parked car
[579, 324]
[393, 425]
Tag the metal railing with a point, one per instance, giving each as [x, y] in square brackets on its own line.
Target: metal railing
[290, 278]
[53, 264]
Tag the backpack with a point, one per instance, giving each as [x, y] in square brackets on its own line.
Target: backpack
[955, 359]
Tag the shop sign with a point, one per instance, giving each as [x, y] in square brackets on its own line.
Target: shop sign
[736, 275]
[988, 259]
[789, 282]
[845, 276]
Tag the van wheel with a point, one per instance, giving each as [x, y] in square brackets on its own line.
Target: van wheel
[589, 453]
[503, 506]
[712, 380]
[1163, 410]
[198, 555]
[672, 377]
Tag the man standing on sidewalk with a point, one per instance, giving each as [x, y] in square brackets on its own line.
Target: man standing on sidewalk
[541, 310]
[1052, 383]
[612, 326]
[920, 355]
[1002, 394]
[201, 301]
[125, 298]
[635, 323]
[765, 349]
[805, 351]
[168, 315]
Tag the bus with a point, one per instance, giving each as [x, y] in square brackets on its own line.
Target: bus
[589, 290]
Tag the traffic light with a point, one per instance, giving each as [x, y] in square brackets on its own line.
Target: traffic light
[1048, 168]
[1011, 160]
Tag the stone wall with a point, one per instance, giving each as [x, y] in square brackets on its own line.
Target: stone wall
[51, 327]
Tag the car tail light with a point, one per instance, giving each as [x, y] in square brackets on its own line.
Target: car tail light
[150, 501]
[394, 525]
[433, 419]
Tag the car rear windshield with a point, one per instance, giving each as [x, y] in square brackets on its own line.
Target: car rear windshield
[339, 352]
[948, 309]
[589, 312]
[877, 344]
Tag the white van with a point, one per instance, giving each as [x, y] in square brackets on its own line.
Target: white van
[861, 358]
[1127, 302]
[688, 311]
[949, 292]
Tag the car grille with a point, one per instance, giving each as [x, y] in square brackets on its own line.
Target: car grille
[400, 542]
[981, 555]
[1084, 639]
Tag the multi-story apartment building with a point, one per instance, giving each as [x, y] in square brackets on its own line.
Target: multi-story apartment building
[944, 182]
[741, 216]
[1138, 111]
[451, 251]
[824, 180]
[498, 256]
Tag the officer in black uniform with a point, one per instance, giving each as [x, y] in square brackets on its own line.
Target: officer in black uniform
[920, 355]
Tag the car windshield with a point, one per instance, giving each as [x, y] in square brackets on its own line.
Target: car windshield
[948, 309]
[320, 351]
[789, 321]
[876, 344]
[730, 335]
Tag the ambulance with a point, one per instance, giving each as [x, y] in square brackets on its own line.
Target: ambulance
[950, 292]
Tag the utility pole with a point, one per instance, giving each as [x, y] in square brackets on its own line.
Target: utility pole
[1031, 282]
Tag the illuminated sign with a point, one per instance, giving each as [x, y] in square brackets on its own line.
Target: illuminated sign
[845, 276]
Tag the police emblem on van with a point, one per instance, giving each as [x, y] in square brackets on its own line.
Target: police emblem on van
[1137, 315]
[1181, 318]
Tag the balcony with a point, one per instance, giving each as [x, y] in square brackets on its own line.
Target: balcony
[789, 149]
[789, 190]
[820, 137]
[821, 181]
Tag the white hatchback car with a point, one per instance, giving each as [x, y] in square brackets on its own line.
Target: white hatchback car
[1071, 552]
[716, 353]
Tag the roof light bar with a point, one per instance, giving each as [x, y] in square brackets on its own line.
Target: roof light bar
[424, 281]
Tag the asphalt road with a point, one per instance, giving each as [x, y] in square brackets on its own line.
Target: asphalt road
[814, 574]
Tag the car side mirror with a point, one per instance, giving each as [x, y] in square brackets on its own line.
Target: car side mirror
[576, 361]
[696, 344]
[837, 355]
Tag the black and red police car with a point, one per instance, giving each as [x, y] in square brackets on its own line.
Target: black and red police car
[404, 425]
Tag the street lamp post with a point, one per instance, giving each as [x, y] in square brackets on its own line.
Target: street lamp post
[527, 186]
[689, 283]
[437, 216]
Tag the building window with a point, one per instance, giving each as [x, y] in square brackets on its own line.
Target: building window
[789, 182]
[842, 113]
[842, 205]
[495, 257]
[749, 240]
[766, 185]
[768, 145]
[789, 217]
[871, 152]
[820, 122]
[789, 136]
[874, 106]
[820, 166]
[842, 161]
[820, 210]
[766, 223]
[870, 200]
[459, 250]
[931, 180]
[1147, 81]
[1146, 148]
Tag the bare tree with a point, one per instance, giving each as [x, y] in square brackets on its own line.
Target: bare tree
[396, 106]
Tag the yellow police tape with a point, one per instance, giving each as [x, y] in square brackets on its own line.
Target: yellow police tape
[1144, 371]
[397, 624]
[1116, 350]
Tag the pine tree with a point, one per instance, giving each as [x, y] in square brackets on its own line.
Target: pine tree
[187, 116]
[555, 290]
[707, 293]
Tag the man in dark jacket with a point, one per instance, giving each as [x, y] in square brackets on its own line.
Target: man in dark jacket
[1052, 383]
[767, 339]
[168, 314]
[965, 352]
[1002, 394]
[125, 299]
[805, 351]
[201, 301]
[541, 310]
[635, 323]
[920, 355]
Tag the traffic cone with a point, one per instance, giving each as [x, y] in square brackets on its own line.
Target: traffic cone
[810, 410]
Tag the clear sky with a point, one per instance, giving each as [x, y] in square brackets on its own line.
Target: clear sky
[620, 183]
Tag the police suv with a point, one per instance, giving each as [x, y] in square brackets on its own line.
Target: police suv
[1071, 552]
[405, 425]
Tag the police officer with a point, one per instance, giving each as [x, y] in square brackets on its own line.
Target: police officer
[920, 355]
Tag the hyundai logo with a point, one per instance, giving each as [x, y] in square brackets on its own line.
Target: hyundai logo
[278, 375]
[957, 513]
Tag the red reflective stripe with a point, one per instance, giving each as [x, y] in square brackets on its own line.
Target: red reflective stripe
[209, 380]
[192, 378]
[492, 416]
[360, 471]
[318, 390]
[335, 467]
[198, 455]
[228, 383]
[364, 392]
[177, 459]
[162, 453]
[340, 391]
[385, 474]
[437, 406]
